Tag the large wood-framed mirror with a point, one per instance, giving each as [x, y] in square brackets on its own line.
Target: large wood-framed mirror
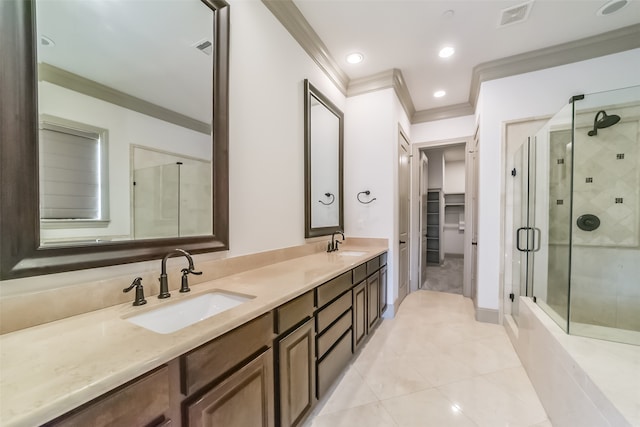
[149, 128]
[323, 136]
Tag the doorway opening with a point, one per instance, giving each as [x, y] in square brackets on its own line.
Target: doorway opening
[443, 201]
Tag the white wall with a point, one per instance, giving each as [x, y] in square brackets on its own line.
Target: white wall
[430, 133]
[454, 174]
[266, 125]
[436, 168]
[370, 163]
[529, 95]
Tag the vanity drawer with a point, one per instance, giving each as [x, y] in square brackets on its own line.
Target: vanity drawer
[210, 361]
[333, 289]
[333, 364]
[359, 274]
[138, 403]
[329, 314]
[383, 259]
[294, 312]
[373, 266]
[331, 335]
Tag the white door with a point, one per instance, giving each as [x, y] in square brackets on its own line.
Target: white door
[473, 220]
[403, 216]
[424, 186]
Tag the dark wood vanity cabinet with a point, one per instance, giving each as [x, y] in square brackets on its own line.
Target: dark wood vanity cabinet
[383, 290]
[295, 361]
[229, 381]
[369, 297]
[359, 314]
[141, 402]
[245, 398]
[268, 372]
[373, 303]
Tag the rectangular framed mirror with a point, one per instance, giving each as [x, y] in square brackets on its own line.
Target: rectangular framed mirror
[114, 132]
[323, 135]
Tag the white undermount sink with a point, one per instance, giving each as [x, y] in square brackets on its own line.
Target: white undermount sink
[172, 317]
[351, 253]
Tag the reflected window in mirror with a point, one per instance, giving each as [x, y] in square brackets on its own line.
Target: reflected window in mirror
[323, 164]
[74, 177]
[131, 73]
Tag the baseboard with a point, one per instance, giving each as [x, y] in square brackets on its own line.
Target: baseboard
[446, 255]
[389, 312]
[487, 315]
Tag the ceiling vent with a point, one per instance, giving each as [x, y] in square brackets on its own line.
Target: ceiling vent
[515, 14]
[204, 46]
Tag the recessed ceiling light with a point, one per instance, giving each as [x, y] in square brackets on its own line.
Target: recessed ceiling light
[612, 7]
[448, 14]
[446, 52]
[355, 58]
[439, 93]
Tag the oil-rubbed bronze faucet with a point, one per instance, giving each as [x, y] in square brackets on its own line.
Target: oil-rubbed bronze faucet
[164, 283]
[332, 246]
[137, 283]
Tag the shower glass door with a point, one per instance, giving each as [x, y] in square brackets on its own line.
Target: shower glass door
[520, 237]
[549, 215]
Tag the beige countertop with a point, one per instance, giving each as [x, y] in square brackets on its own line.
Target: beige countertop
[49, 369]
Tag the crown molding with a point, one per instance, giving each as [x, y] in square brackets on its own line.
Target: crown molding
[384, 80]
[440, 113]
[76, 83]
[292, 19]
[615, 41]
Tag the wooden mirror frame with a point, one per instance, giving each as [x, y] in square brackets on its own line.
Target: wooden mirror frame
[309, 92]
[20, 252]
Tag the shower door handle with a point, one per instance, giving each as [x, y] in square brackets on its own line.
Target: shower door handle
[537, 242]
[518, 239]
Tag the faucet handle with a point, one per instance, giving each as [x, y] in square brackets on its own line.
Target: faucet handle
[137, 283]
[185, 281]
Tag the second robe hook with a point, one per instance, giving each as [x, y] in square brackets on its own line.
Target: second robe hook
[366, 192]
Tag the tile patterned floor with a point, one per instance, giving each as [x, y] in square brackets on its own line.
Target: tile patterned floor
[446, 277]
[433, 365]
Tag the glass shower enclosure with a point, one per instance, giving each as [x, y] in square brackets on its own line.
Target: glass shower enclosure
[577, 217]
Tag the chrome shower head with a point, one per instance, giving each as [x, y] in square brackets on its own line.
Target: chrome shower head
[604, 122]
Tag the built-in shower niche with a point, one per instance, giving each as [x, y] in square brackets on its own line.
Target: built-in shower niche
[171, 195]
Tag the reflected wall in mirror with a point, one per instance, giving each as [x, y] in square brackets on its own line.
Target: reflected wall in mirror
[95, 90]
[323, 164]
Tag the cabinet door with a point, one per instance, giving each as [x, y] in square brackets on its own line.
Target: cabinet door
[383, 290]
[359, 314]
[373, 309]
[296, 372]
[244, 399]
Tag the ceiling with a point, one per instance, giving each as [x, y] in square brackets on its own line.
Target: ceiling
[104, 42]
[407, 35]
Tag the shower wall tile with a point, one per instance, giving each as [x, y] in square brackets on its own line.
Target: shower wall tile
[628, 313]
[613, 178]
[594, 309]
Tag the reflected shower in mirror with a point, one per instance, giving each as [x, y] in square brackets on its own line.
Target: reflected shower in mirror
[323, 164]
